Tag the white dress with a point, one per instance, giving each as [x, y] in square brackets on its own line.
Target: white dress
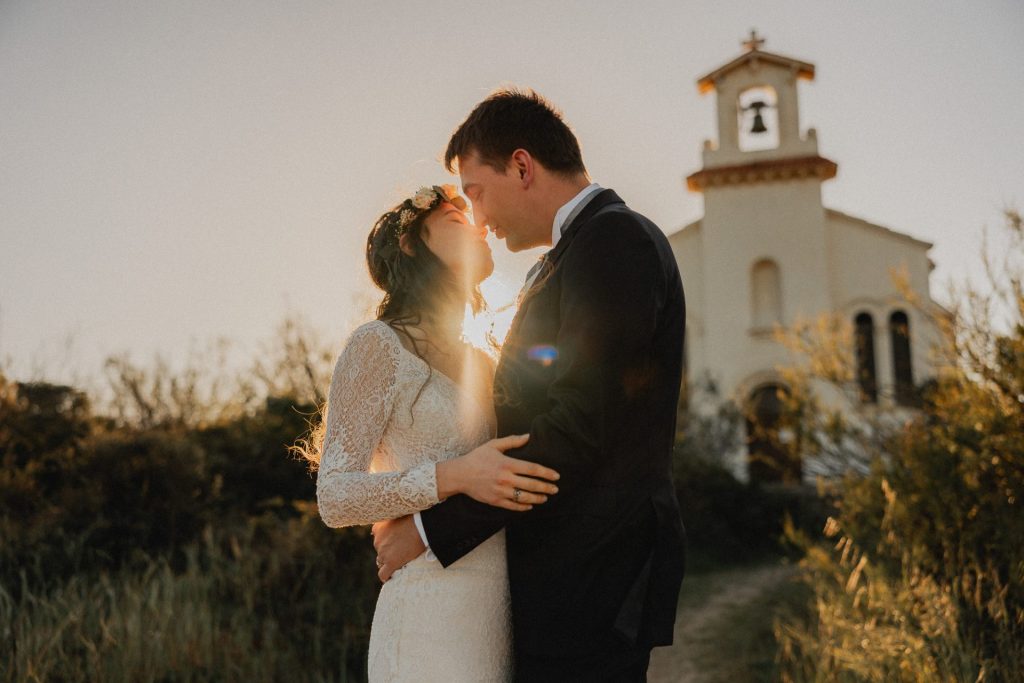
[377, 462]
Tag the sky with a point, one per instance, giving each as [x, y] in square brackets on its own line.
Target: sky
[176, 173]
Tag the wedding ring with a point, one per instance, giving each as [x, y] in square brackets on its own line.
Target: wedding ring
[380, 563]
[516, 492]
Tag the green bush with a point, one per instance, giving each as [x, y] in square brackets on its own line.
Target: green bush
[168, 549]
[248, 459]
[924, 577]
[271, 600]
[728, 521]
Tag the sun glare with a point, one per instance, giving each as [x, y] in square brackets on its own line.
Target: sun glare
[496, 320]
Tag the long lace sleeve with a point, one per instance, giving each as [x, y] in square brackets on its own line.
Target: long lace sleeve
[359, 403]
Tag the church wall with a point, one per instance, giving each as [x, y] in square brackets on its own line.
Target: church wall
[687, 247]
[743, 224]
[862, 258]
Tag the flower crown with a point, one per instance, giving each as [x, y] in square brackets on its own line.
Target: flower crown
[425, 199]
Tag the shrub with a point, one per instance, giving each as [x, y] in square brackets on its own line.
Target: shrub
[262, 602]
[926, 577]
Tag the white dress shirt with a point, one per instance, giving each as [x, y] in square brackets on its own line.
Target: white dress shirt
[557, 226]
[563, 213]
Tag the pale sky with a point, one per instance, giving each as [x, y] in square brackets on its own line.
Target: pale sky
[176, 172]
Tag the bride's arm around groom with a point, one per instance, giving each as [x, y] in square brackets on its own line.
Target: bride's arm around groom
[591, 369]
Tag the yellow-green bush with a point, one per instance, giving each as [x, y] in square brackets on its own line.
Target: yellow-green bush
[923, 579]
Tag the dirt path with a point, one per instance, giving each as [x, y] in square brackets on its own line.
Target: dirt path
[709, 602]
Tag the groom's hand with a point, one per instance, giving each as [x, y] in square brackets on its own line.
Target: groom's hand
[397, 543]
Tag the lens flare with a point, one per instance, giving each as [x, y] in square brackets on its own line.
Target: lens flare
[545, 354]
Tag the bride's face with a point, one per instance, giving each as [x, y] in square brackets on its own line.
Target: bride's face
[459, 244]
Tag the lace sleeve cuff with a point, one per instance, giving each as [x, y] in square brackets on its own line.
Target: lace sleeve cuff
[419, 486]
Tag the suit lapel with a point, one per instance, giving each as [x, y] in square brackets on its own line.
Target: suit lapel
[598, 202]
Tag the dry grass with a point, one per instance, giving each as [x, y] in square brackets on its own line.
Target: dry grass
[214, 621]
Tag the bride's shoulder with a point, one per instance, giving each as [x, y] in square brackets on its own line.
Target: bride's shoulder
[373, 335]
[371, 328]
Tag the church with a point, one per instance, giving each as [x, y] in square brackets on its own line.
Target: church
[767, 251]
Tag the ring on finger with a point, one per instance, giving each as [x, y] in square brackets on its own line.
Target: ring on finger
[380, 562]
[516, 492]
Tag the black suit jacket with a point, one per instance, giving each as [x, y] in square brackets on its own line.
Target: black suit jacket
[591, 369]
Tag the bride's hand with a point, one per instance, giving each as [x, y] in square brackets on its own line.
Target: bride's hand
[488, 475]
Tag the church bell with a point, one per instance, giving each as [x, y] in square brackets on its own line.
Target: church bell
[758, 126]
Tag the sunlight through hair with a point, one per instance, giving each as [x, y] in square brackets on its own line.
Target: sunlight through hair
[487, 329]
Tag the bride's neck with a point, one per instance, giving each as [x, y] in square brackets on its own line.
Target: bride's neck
[444, 326]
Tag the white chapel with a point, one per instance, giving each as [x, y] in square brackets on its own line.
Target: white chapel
[768, 251]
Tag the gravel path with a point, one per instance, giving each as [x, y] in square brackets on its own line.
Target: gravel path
[707, 601]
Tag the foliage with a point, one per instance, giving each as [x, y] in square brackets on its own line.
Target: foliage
[728, 521]
[925, 580]
[262, 602]
[170, 535]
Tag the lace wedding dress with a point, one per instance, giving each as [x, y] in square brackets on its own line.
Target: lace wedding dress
[387, 424]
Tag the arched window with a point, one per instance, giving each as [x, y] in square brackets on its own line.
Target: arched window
[903, 372]
[765, 294]
[770, 457]
[864, 340]
[757, 116]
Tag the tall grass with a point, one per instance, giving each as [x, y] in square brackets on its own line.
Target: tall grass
[242, 609]
[868, 624]
[166, 534]
[924, 579]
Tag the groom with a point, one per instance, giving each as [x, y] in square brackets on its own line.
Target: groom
[591, 370]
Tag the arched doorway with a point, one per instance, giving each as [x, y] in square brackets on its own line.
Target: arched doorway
[769, 458]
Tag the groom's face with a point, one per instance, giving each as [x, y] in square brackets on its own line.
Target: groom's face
[498, 201]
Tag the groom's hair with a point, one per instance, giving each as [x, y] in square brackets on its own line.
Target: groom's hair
[511, 119]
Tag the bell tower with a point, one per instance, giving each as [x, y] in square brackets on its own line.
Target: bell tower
[758, 118]
[763, 242]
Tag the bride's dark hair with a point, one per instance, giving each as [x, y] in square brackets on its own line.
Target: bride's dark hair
[416, 285]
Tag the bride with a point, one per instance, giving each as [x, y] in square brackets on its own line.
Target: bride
[409, 421]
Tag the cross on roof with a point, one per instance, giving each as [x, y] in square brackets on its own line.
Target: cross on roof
[754, 42]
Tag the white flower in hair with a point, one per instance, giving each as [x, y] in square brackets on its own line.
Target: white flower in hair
[452, 196]
[424, 198]
[406, 217]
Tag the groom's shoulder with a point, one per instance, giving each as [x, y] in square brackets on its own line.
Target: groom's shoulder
[616, 222]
